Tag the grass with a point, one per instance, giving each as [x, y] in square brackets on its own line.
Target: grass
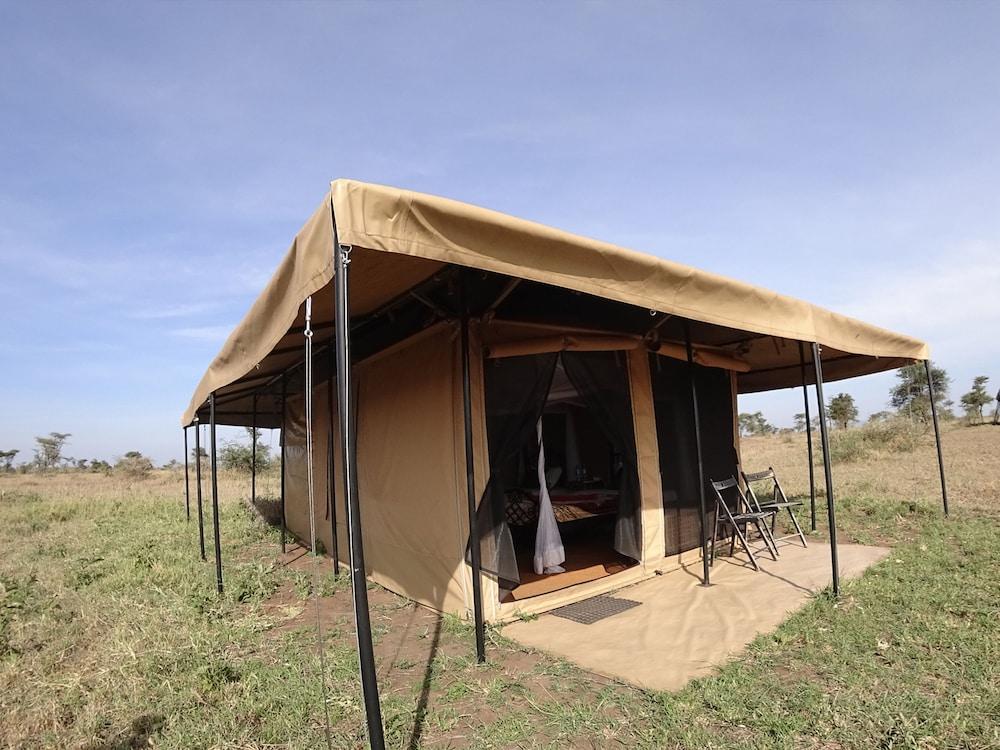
[112, 635]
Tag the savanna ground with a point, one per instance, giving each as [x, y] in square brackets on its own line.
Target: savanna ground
[112, 636]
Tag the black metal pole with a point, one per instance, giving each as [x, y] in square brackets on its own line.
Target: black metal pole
[197, 478]
[215, 494]
[937, 435]
[331, 496]
[284, 394]
[470, 485]
[809, 440]
[187, 478]
[253, 454]
[825, 437]
[348, 445]
[701, 465]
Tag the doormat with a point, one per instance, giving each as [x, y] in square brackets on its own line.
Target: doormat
[596, 608]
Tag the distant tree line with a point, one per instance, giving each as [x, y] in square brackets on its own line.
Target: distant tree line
[908, 399]
[49, 457]
[234, 455]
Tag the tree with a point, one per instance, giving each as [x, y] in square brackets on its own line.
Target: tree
[196, 451]
[7, 460]
[842, 409]
[48, 454]
[879, 416]
[800, 422]
[755, 424]
[974, 401]
[239, 457]
[909, 395]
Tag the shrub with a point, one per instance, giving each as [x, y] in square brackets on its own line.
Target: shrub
[134, 465]
[234, 456]
[877, 437]
[100, 467]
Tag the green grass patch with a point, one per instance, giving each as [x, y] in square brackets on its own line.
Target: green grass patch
[112, 635]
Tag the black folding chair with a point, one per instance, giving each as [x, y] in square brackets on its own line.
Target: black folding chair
[739, 516]
[777, 503]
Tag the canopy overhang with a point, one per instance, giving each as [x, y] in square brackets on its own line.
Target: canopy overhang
[405, 245]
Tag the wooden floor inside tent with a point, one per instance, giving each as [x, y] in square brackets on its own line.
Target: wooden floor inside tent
[584, 562]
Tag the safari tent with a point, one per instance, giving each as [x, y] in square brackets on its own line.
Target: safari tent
[444, 373]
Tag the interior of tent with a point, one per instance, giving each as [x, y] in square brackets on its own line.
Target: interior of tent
[563, 467]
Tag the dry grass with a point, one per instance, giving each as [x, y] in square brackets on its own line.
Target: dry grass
[971, 457]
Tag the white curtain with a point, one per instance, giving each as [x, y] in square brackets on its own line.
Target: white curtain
[549, 553]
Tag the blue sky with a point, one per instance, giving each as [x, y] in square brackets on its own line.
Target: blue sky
[156, 160]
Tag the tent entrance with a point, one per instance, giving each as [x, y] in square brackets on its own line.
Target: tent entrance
[570, 491]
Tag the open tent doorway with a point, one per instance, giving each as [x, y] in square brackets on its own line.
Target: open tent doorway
[569, 487]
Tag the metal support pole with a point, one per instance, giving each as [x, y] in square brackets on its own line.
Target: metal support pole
[197, 478]
[187, 479]
[825, 437]
[348, 445]
[809, 441]
[331, 496]
[308, 398]
[705, 579]
[470, 485]
[253, 454]
[284, 394]
[215, 494]
[937, 435]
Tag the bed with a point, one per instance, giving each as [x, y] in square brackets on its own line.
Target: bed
[568, 504]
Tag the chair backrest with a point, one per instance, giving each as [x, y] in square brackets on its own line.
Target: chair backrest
[733, 506]
[777, 494]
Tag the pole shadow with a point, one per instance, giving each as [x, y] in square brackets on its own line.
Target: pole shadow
[420, 717]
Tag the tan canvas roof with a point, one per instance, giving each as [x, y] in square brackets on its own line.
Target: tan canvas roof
[401, 237]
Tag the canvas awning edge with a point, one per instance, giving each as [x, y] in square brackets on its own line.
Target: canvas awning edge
[414, 224]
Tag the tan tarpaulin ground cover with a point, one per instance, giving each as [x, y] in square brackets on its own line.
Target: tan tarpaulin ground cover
[682, 630]
[401, 237]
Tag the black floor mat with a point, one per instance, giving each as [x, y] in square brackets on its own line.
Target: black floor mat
[596, 608]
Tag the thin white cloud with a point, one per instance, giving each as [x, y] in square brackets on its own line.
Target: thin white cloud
[174, 311]
[950, 301]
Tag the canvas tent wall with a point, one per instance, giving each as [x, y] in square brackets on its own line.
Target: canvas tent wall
[410, 463]
[411, 469]
[531, 286]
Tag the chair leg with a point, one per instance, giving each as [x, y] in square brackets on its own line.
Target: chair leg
[746, 547]
[768, 541]
[798, 529]
[715, 535]
[732, 539]
[768, 538]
